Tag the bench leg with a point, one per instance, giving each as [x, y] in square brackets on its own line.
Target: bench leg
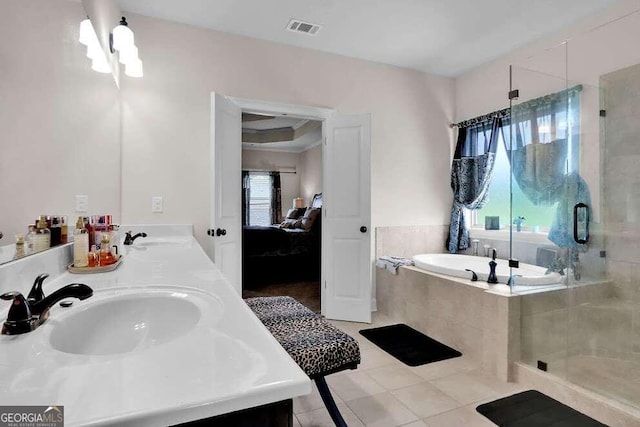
[330, 404]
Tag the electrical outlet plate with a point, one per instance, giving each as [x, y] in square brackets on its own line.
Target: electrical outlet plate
[157, 205]
[82, 203]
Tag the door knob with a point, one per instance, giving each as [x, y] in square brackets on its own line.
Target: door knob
[363, 229]
[221, 232]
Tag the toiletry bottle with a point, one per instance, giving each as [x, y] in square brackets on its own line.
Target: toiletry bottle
[93, 257]
[80, 245]
[97, 223]
[114, 239]
[19, 247]
[56, 231]
[42, 237]
[106, 258]
[87, 224]
[64, 230]
[31, 239]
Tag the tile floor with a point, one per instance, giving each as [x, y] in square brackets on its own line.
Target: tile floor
[385, 392]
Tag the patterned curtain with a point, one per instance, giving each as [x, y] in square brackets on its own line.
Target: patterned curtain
[246, 196]
[276, 198]
[471, 175]
[543, 147]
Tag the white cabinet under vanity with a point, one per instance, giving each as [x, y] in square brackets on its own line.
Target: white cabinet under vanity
[163, 340]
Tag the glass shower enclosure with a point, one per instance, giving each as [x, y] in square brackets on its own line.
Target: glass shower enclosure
[574, 151]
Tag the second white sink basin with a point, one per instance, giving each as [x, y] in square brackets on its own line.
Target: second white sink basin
[131, 320]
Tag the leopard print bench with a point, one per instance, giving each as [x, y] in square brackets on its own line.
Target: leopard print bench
[318, 347]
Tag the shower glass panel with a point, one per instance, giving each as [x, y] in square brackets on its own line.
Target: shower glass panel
[543, 148]
[574, 151]
[603, 300]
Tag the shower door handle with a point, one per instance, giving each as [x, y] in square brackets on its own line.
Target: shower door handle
[581, 223]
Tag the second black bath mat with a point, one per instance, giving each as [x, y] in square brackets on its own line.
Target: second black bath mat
[408, 345]
[534, 409]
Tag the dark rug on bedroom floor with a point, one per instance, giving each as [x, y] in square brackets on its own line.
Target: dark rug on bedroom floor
[534, 409]
[408, 345]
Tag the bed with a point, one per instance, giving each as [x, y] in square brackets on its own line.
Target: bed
[285, 252]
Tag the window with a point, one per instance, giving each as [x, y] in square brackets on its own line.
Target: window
[498, 203]
[259, 198]
[544, 151]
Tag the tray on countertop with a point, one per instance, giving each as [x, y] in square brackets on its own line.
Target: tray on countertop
[98, 269]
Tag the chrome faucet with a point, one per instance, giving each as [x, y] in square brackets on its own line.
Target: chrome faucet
[26, 314]
[128, 239]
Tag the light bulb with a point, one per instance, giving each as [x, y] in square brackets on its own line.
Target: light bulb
[134, 69]
[86, 29]
[122, 36]
[128, 55]
[100, 64]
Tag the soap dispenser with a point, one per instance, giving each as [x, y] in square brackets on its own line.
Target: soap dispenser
[80, 245]
[42, 239]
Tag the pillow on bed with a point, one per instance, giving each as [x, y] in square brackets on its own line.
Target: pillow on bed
[310, 216]
[294, 213]
[288, 223]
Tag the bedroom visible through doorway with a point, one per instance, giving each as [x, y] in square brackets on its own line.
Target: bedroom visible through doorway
[281, 207]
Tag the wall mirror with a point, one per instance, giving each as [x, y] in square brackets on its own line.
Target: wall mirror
[60, 120]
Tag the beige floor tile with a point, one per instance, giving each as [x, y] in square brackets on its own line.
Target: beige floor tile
[312, 401]
[321, 418]
[465, 388]
[374, 357]
[461, 417]
[445, 368]
[296, 423]
[425, 400]
[381, 410]
[354, 385]
[418, 423]
[394, 376]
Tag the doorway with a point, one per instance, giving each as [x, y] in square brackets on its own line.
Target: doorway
[281, 207]
[346, 263]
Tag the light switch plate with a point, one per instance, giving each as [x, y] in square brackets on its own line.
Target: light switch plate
[82, 203]
[157, 204]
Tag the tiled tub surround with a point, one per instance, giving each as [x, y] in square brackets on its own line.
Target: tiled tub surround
[481, 323]
[584, 334]
[220, 367]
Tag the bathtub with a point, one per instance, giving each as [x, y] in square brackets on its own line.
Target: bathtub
[455, 265]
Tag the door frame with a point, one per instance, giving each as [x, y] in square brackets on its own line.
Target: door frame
[306, 112]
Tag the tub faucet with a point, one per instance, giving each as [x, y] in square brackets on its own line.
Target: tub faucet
[128, 239]
[492, 268]
[26, 314]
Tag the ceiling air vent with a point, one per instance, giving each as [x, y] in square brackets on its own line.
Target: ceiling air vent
[303, 27]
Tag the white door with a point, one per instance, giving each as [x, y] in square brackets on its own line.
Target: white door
[225, 248]
[346, 240]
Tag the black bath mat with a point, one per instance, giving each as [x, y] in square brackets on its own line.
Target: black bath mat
[534, 409]
[408, 345]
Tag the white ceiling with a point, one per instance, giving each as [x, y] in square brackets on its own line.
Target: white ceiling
[444, 37]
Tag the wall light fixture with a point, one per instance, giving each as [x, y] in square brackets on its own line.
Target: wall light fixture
[121, 40]
[89, 38]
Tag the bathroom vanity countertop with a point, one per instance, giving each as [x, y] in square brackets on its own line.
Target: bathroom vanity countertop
[228, 363]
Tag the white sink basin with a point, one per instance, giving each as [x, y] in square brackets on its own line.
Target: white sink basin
[128, 321]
